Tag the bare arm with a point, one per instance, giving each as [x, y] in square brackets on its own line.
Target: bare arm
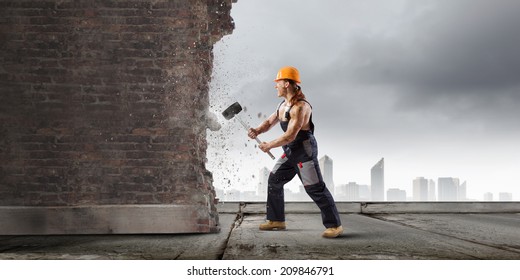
[299, 114]
[264, 126]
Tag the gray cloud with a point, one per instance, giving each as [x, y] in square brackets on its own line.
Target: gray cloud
[457, 58]
[453, 46]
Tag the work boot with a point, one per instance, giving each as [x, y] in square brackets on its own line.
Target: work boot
[332, 232]
[271, 225]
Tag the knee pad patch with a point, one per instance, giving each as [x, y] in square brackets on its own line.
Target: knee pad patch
[308, 173]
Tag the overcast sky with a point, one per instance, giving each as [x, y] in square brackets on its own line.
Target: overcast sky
[432, 86]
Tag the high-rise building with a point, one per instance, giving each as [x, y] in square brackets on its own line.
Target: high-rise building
[341, 193]
[488, 196]
[505, 196]
[352, 191]
[377, 181]
[420, 189]
[431, 190]
[364, 192]
[301, 195]
[461, 192]
[395, 195]
[326, 167]
[261, 190]
[448, 188]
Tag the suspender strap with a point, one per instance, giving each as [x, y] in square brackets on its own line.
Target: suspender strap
[287, 115]
[278, 108]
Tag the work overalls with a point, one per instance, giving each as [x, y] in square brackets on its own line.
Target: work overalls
[300, 157]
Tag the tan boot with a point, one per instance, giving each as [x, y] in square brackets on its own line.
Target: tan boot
[272, 225]
[333, 232]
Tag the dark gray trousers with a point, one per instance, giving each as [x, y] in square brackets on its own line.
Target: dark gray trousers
[300, 159]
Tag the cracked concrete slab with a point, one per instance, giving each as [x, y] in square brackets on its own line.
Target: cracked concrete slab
[496, 230]
[364, 238]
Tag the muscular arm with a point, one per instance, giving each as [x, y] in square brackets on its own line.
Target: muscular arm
[264, 126]
[268, 123]
[299, 113]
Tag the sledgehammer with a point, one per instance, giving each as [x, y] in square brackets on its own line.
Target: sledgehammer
[232, 111]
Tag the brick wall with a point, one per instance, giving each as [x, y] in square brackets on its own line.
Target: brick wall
[104, 102]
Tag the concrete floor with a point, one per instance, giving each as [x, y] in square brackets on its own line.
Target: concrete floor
[380, 237]
[394, 235]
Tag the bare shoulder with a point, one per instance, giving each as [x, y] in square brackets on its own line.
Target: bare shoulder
[301, 110]
[302, 107]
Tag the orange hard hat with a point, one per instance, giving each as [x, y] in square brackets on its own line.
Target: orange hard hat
[289, 73]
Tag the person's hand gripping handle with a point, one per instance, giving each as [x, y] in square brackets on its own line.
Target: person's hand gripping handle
[256, 138]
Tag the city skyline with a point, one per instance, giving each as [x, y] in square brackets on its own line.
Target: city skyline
[423, 189]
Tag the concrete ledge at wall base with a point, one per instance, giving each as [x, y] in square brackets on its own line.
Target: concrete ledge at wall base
[379, 207]
[229, 207]
[439, 207]
[104, 219]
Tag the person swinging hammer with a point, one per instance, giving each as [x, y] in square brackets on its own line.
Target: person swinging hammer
[300, 155]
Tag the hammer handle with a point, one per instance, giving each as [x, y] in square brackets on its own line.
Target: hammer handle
[268, 152]
[256, 138]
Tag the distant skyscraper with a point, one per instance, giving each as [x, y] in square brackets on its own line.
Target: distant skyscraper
[377, 181]
[302, 194]
[261, 190]
[504, 196]
[341, 193]
[461, 192]
[488, 196]
[420, 189]
[395, 195]
[448, 188]
[352, 191]
[431, 190]
[364, 192]
[326, 167]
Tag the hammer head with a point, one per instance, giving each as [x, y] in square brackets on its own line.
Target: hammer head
[232, 110]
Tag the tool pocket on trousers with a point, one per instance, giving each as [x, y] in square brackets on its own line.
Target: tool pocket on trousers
[279, 163]
[308, 173]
